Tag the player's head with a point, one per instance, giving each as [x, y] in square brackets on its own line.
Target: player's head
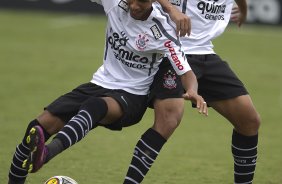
[140, 9]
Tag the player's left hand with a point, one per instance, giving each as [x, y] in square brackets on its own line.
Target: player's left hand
[198, 100]
[182, 21]
[237, 16]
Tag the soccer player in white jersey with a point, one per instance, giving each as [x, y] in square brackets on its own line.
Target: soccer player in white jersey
[218, 85]
[138, 36]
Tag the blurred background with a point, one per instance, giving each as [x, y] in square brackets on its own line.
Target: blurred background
[260, 11]
[48, 47]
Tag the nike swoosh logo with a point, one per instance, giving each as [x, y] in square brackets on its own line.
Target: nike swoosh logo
[124, 100]
[144, 159]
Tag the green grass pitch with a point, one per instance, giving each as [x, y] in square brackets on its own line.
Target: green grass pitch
[44, 55]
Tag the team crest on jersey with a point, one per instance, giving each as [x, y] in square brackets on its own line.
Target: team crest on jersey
[156, 32]
[123, 4]
[169, 80]
[175, 2]
[141, 41]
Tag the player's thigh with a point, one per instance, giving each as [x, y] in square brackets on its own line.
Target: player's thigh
[114, 112]
[240, 111]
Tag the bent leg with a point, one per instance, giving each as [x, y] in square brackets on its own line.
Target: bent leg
[103, 110]
[241, 112]
[90, 113]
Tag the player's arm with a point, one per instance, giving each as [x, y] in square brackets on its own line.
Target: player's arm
[239, 12]
[183, 22]
[179, 63]
[190, 84]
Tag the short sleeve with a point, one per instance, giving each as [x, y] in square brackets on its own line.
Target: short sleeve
[176, 57]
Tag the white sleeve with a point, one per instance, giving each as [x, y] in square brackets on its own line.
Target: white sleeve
[176, 57]
[107, 4]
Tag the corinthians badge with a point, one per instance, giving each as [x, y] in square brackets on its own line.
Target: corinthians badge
[141, 41]
[169, 80]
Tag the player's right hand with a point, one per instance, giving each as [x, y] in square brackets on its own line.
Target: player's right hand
[201, 105]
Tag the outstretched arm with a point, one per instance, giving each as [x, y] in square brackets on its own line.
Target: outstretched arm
[239, 13]
[182, 21]
[190, 84]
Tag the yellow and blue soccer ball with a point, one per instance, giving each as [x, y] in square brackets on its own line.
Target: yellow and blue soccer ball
[60, 180]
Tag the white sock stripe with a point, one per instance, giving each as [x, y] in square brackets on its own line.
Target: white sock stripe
[66, 135]
[132, 180]
[145, 154]
[18, 176]
[149, 147]
[17, 157]
[20, 153]
[25, 146]
[82, 130]
[18, 167]
[244, 173]
[141, 161]
[245, 165]
[78, 119]
[83, 120]
[134, 167]
[255, 156]
[249, 182]
[88, 116]
[74, 131]
[246, 149]
[81, 127]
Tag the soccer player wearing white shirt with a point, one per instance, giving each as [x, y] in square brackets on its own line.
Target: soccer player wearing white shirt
[139, 34]
[218, 84]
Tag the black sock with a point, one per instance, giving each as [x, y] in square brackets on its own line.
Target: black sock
[145, 153]
[17, 174]
[91, 112]
[244, 149]
[54, 148]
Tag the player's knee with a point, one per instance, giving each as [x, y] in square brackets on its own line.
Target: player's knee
[171, 124]
[168, 114]
[255, 121]
[166, 123]
[171, 117]
[165, 128]
[250, 125]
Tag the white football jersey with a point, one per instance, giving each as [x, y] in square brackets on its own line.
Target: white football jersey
[209, 19]
[134, 48]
